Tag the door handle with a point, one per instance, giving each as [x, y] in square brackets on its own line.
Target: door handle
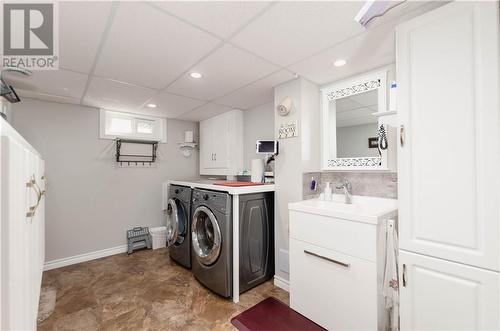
[402, 135]
[215, 157]
[343, 264]
[404, 275]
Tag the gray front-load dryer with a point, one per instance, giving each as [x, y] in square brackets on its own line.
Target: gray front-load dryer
[211, 232]
[178, 222]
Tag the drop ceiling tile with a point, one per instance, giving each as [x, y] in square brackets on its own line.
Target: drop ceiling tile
[257, 93]
[81, 25]
[372, 49]
[224, 71]
[222, 18]
[46, 97]
[109, 94]
[149, 48]
[204, 112]
[290, 31]
[171, 105]
[60, 82]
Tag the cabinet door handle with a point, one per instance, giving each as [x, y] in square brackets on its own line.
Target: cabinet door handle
[404, 275]
[402, 135]
[45, 184]
[32, 184]
[345, 265]
[215, 157]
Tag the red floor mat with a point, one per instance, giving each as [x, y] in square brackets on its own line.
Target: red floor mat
[273, 315]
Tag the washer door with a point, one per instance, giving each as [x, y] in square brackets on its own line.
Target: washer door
[206, 236]
[176, 223]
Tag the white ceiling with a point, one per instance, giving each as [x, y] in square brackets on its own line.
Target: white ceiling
[124, 55]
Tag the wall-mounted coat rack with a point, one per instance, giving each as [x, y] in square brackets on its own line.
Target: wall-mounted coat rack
[136, 158]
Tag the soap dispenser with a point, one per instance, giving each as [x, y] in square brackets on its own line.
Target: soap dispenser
[328, 192]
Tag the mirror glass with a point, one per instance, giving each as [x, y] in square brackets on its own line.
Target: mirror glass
[355, 125]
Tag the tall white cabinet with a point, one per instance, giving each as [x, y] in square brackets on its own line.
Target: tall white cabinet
[221, 144]
[448, 162]
[22, 250]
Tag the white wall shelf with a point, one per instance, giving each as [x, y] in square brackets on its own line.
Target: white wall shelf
[384, 113]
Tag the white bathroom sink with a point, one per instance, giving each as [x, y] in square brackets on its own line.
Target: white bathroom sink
[363, 209]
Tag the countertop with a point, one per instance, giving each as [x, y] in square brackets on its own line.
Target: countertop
[208, 184]
[363, 209]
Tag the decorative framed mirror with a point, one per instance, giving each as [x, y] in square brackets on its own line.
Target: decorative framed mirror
[352, 138]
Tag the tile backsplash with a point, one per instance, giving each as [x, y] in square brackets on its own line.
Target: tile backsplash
[375, 184]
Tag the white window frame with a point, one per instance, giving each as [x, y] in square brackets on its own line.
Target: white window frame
[159, 126]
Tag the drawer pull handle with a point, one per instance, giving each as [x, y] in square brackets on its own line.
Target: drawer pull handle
[404, 275]
[402, 135]
[345, 265]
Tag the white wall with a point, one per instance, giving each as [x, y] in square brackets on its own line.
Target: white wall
[90, 202]
[352, 141]
[310, 135]
[258, 125]
[297, 155]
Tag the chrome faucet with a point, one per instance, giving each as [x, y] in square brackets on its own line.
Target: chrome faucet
[346, 187]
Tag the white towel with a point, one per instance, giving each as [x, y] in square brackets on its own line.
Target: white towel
[391, 279]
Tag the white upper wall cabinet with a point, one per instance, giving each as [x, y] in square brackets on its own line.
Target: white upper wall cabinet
[221, 144]
[447, 69]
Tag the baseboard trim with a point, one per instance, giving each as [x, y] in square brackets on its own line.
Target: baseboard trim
[54, 264]
[282, 283]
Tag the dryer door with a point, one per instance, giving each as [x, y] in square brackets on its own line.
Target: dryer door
[206, 236]
[176, 222]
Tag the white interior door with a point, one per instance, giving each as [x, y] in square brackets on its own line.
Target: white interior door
[447, 69]
[443, 295]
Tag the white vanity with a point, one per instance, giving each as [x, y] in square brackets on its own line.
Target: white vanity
[337, 255]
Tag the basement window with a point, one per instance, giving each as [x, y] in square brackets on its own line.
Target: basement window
[115, 124]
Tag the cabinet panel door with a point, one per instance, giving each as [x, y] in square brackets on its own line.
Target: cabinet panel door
[206, 145]
[447, 67]
[443, 295]
[339, 295]
[16, 198]
[220, 143]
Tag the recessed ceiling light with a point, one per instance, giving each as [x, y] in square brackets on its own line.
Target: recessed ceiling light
[151, 105]
[339, 63]
[195, 75]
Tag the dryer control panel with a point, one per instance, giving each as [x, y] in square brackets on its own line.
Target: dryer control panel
[219, 201]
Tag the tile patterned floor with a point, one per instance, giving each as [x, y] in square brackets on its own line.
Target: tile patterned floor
[143, 291]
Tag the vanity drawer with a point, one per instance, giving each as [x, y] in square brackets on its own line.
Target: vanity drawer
[349, 237]
[337, 291]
